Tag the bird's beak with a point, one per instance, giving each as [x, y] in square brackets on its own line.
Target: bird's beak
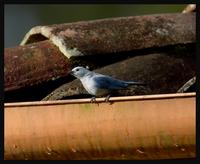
[70, 72]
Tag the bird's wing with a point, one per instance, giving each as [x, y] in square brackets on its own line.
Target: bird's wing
[107, 82]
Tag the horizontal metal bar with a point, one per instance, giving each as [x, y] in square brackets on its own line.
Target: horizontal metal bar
[112, 99]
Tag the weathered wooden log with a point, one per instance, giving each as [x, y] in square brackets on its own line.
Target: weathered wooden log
[163, 73]
[32, 64]
[117, 34]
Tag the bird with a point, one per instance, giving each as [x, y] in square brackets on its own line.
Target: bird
[99, 85]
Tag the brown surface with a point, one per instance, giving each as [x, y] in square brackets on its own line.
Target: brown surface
[117, 34]
[42, 61]
[32, 64]
[163, 73]
[28, 68]
[141, 127]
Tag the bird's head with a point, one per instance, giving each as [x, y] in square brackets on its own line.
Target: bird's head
[79, 72]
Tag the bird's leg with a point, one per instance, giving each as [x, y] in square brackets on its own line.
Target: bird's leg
[107, 98]
[93, 99]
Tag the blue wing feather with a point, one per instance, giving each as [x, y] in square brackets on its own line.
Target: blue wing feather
[106, 82]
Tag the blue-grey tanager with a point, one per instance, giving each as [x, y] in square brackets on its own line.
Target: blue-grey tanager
[99, 85]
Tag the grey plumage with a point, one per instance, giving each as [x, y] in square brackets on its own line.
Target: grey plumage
[100, 85]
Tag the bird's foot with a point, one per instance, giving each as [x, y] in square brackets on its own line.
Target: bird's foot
[93, 100]
[107, 98]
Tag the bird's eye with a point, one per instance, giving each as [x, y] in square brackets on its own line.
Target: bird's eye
[77, 69]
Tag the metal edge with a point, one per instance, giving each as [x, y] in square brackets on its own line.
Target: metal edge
[112, 99]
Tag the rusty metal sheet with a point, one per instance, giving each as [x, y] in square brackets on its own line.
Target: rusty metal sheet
[32, 64]
[114, 35]
[135, 127]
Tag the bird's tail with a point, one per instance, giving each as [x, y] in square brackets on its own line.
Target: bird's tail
[135, 83]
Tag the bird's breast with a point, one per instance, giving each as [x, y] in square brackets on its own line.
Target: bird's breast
[91, 87]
